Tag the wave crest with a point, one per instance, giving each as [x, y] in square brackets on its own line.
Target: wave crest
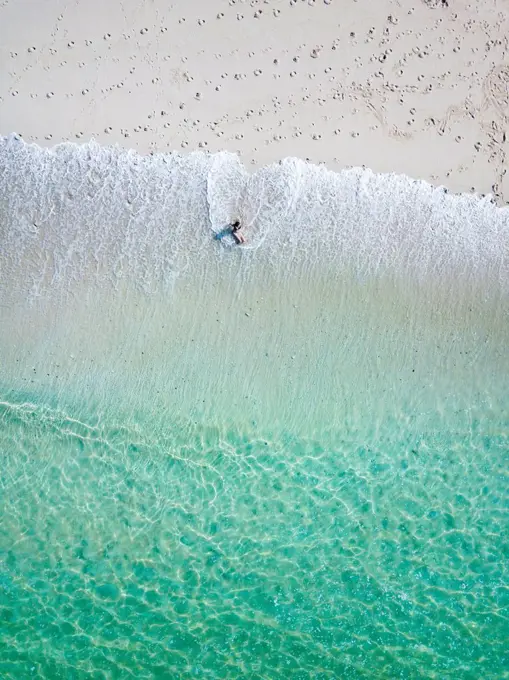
[74, 212]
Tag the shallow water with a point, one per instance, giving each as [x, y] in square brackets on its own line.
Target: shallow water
[283, 460]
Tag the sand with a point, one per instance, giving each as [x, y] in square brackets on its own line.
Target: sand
[280, 460]
[418, 87]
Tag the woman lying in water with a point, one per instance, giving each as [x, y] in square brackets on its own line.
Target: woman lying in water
[233, 229]
[239, 238]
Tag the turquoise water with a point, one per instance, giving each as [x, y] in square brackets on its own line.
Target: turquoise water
[281, 461]
[194, 552]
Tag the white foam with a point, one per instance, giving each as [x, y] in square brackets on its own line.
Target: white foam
[74, 211]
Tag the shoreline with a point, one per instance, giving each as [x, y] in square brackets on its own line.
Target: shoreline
[421, 91]
[251, 168]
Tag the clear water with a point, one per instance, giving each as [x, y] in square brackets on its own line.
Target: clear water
[283, 461]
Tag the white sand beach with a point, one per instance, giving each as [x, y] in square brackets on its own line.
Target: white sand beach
[418, 87]
[284, 459]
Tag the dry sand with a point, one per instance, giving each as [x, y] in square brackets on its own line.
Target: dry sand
[413, 86]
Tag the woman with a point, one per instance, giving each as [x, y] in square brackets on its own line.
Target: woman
[239, 238]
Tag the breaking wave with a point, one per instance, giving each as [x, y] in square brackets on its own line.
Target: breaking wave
[74, 212]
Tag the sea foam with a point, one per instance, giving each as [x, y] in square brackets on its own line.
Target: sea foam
[74, 212]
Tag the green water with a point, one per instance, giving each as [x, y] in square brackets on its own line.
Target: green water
[180, 551]
[286, 483]
[286, 460]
